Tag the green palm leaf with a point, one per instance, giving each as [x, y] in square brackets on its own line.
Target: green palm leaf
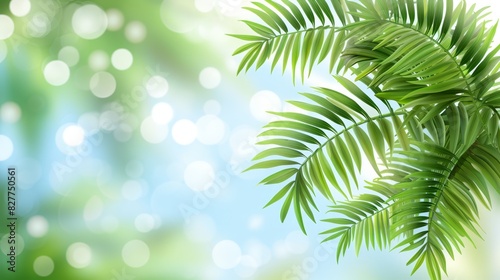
[434, 144]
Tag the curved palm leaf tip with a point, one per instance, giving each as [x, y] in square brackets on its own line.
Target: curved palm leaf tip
[434, 144]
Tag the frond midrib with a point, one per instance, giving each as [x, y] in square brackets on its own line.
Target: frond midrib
[332, 138]
[439, 195]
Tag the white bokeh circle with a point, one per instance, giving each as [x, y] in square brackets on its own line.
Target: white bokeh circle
[184, 132]
[7, 27]
[10, 112]
[43, 266]
[37, 226]
[69, 55]
[210, 78]
[135, 253]
[115, 19]
[102, 84]
[226, 254]
[144, 222]
[162, 113]
[135, 32]
[56, 73]
[122, 59]
[89, 21]
[79, 255]
[20, 8]
[98, 60]
[73, 135]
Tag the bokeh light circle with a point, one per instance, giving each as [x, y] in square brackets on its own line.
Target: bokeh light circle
[199, 175]
[56, 73]
[20, 8]
[5, 246]
[79, 255]
[162, 113]
[135, 32]
[135, 253]
[7, 25]
[102, 84]
[37, 226]
[43, 266]
[89, 22]
[98, 60]
[144, 222]
[69, 55]
[226, 254]
[184, 132]
[122, 59]
[115, 19]
[7, 147]
[10, 112]
[73, 135]
[210, 78]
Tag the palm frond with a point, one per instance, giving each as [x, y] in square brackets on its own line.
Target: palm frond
[322, 147]
[431, 192]
[435, 144]
[299, 34]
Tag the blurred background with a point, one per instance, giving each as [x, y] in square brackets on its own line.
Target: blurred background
[129, 129]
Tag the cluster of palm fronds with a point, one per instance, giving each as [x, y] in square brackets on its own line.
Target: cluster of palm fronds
[426, 68]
